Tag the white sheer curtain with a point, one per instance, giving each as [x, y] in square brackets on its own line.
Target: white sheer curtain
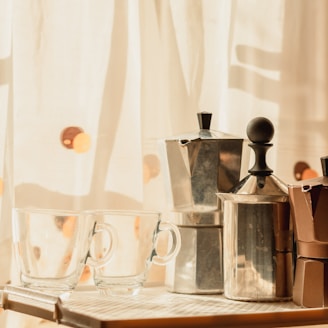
[125, 74]
[128, 73]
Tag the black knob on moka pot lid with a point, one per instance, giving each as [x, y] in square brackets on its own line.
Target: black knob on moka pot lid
[204, 120]
[260, 131]
[324, 165]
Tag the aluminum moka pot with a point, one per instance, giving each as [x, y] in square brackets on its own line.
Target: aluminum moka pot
[199, 165]
[258, 234]
[309, 208]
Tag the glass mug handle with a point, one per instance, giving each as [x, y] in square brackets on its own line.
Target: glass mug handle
[174, 247]
[106, 257]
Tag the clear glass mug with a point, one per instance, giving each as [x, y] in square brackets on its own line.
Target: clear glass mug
[137, 235]
[53, 246]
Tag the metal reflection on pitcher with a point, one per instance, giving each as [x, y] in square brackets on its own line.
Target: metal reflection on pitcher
[258, 233]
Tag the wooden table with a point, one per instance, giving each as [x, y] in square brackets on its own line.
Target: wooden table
[155, 307]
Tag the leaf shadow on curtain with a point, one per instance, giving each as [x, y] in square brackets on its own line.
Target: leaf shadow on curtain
[174, 76]
[113, 94]
[300, 92]
[6, 175]
[5, 68]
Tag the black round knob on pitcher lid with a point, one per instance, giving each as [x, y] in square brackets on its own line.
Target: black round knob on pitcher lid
[260, 131]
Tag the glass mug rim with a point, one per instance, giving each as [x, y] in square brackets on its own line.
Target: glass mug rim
[49, 211]
[127, 212]
[97, 211]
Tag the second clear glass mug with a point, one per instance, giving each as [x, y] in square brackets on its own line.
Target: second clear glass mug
[137, 235]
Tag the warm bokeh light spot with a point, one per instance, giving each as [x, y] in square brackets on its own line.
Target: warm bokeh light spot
[151, 167]
[86, 274]
[68, 135]
[137, 227]
[69, 226]
[81, 143]
[67, 260]
[303, 171]
[37, 252]
[309, 174]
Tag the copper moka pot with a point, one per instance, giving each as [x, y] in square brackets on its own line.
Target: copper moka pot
[258, 235]
[309, 207]
[200, 164]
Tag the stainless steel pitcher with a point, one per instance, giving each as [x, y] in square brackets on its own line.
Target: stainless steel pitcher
[258, 234]
[200, 164]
